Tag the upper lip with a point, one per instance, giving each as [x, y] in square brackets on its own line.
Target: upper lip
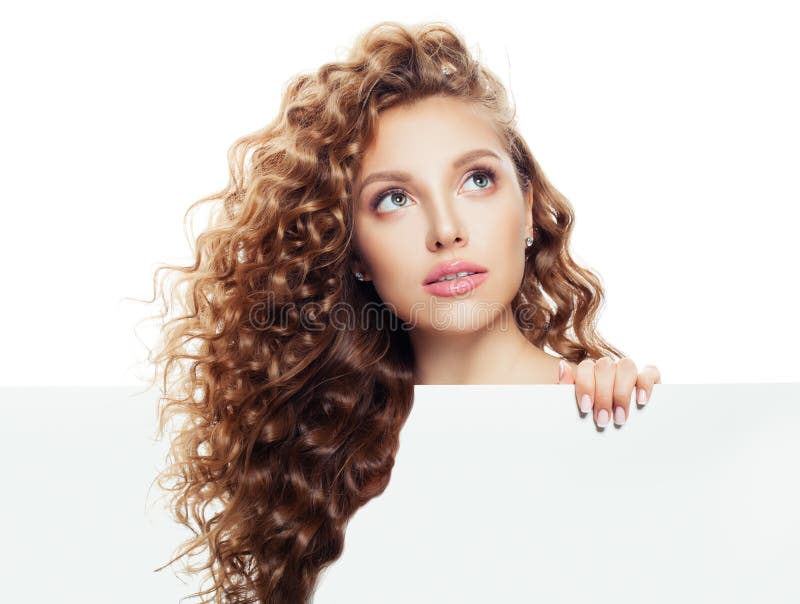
[452, 266]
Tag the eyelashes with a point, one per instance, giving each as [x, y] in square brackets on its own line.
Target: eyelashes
[483, 170]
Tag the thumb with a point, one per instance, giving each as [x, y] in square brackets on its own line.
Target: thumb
[565, 373]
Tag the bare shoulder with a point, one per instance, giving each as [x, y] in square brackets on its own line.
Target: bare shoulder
[539, 367]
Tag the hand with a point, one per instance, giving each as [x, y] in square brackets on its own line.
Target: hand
[605, 382]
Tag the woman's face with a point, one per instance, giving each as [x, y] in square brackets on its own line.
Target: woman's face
[438, 206]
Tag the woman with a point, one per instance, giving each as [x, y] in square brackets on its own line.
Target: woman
[311, 309]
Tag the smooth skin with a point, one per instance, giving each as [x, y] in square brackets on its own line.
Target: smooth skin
[608, 384]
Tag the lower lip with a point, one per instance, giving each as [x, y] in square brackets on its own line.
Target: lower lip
[457, 286]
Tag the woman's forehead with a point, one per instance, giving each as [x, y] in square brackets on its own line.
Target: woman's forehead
[435, 129]
[430, 117]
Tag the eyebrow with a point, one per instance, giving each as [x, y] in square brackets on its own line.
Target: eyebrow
[405, 176]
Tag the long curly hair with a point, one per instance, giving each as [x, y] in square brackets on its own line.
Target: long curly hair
[287, 430]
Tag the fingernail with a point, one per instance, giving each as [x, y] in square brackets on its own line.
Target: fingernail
[602, 418]
[560, 370]
[642, 396]
[586, 403]
[619, 416]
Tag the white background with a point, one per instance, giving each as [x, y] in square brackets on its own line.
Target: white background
[671, 127]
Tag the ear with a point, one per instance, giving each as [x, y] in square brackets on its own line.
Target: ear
[529, 211]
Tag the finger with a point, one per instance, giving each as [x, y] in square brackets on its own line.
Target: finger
[644, 383]
[566, 372]
[584, 385]
[624, 382]
[604, 370]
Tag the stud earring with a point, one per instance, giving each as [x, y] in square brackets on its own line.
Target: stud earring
[529, 241]
[359, 276]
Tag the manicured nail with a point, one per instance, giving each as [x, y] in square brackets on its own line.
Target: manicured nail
[560, 370]
[619, 416]
[586, 403]
[642, 396]
[602, 418]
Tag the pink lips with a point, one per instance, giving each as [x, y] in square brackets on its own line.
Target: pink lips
[453, 266]
[458, 285]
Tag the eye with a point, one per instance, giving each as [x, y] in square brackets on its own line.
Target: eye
[397, 196]
[482, 174]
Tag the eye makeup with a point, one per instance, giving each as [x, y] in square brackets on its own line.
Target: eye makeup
[479, 169]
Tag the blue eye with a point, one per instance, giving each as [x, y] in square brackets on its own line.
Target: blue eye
[482, 172]
[393, 192]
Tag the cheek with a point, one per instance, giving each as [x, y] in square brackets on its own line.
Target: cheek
[505, 228]
[392, 256]
[396, 259]
[506, 231]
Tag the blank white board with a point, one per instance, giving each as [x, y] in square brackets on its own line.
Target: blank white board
[498, 494]
[507, 494]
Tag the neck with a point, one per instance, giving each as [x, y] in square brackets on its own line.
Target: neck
[495, 354]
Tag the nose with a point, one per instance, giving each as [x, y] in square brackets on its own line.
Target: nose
[446, 229]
